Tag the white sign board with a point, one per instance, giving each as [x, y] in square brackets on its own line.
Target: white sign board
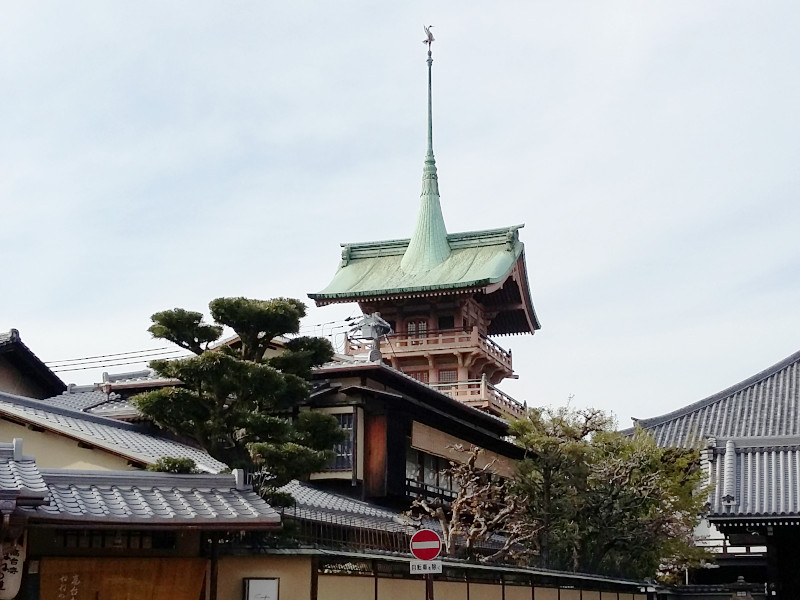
[260, 588]
[423, 567]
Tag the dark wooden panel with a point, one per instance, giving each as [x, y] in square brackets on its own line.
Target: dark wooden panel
[397, 434]
[375, 456]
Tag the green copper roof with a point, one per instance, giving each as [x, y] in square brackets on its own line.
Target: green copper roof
[433, 262]
[428, 246]
[476, 259]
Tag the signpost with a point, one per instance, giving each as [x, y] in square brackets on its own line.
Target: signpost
[425, 546]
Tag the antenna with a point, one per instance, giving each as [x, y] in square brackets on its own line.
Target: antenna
[373, 327]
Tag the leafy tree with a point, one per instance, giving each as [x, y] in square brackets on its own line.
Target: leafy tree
[484, 506]
[607, 503]
[241, 406]
[172, 464]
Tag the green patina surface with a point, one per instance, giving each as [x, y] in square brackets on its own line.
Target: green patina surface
[431, 259]
[476, 259]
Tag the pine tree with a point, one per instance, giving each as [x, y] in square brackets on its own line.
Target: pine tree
[241, 402]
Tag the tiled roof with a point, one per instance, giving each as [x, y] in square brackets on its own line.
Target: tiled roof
[125, 439]
[80, 401]
[116, 408]
[766, 404]
[145, 498]
[477, 261]
[95, 402]
[19, 475]
[312, 504]
[756, 477]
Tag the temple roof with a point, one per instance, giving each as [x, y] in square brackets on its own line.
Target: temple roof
[479, 260]
[764, 405]
[755, 477]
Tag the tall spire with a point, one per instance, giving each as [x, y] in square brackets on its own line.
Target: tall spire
[428, 246]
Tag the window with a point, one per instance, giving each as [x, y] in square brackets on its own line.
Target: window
[412, 465]
[417, 327]
[428, 474]
[448, 375]
[419, 375]
[344, 450]
[447, 323]
[430, 470]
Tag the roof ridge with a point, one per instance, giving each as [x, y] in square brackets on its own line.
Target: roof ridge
[397, 242]
[729, 391]
[115, 477]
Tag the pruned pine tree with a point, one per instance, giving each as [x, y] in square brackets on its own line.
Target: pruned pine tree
[239, 404]
[485, 507]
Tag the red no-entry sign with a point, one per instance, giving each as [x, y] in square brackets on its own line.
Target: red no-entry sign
[426, 544]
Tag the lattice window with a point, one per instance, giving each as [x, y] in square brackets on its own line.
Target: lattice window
[419, 375]
[417, 327]
[344, 450]
[448, 376]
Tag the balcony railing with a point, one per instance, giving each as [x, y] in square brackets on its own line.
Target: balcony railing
[416, 488]
[401, 344]
[482, 394]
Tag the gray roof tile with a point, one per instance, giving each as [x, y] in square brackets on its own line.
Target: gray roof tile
[124, 439]
[312, 504]
[766, 404]
[77, 400]
[756, 477]
[19, 474]
[145, 498]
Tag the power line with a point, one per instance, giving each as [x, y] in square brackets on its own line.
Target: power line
[105, 365]
[140, 358]
[66, 360]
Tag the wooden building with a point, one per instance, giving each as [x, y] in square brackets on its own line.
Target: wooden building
[402, 433]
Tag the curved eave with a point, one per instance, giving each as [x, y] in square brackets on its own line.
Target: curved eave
[478, 262]
[409, 292]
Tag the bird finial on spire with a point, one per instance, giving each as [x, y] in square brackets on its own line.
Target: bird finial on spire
[428, 245]
[429, 39]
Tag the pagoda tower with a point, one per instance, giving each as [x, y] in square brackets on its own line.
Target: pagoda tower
[445, 297]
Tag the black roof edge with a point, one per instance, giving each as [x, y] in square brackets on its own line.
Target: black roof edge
[652, 421]
[52, 382]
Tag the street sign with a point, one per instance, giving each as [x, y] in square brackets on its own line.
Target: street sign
[426, 544]
[424, 567]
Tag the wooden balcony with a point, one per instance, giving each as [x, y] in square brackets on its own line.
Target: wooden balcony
[438, 342]
[483, 395]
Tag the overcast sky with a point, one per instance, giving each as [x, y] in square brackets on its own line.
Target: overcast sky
[158, 154]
